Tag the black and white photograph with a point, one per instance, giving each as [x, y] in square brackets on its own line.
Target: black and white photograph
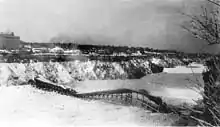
[109, 63]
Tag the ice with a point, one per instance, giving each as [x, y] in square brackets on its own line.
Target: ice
[192, 68]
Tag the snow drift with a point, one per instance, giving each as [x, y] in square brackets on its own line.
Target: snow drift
[43, 109]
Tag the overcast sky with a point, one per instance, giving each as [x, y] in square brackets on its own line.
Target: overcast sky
[153, 23]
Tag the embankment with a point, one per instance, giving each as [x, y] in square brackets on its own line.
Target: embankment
[67, 72]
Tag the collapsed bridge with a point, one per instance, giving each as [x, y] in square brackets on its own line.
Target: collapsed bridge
[140, 98]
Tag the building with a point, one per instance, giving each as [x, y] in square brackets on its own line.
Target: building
[9, 41]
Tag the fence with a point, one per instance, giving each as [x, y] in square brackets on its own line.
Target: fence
[122, 96]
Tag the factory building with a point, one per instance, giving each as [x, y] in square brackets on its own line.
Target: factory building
[9, 41]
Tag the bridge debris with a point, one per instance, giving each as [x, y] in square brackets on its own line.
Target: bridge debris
[140, 98]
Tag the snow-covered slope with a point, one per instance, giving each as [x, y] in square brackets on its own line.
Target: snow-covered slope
[167, 62]
[26, 106]
[69, 72]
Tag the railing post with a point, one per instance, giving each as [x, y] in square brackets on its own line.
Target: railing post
[142, 103]
[126, 97]
[121, 96]
[116, 96]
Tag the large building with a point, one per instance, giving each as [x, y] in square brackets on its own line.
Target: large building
[9, 41]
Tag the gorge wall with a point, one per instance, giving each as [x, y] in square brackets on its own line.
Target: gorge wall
[68, 72]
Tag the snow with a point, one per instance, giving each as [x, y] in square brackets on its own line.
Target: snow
[175, 87]
[26, 106]
[4, 51]
[178, 78]
[68, 72]
[192, 68]
[156, 61]
[5, 73]
[76, 51]
[181, 95]
[56, 49]
[63, 74]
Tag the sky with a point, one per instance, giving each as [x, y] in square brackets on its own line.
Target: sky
[146, 23]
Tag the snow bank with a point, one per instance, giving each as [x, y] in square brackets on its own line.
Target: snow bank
[167, 62]
[179, 95]
[39, 108]
[192, 68]
[160, 62]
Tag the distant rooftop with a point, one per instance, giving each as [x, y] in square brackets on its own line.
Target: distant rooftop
[8, 35]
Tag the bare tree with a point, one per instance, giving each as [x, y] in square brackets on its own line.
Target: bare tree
[206, 25]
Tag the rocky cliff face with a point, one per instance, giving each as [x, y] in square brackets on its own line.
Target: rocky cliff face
[67, 72]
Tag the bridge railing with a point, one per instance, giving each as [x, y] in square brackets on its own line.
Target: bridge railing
[127, 96]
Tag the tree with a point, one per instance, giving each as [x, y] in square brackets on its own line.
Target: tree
[206, 25]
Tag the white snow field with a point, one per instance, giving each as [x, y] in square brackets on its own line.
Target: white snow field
[24, 106]
[192, 68]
